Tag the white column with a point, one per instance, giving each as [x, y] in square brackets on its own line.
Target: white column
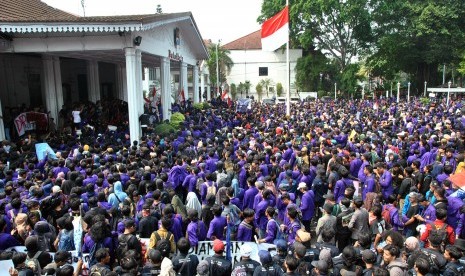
[207, 76]
[165, 83]
[58, 85]
[50, 90]
[131, 76]
[140, 97]
[195, 84]
[202, 85]
[93, 80]
[183, 80]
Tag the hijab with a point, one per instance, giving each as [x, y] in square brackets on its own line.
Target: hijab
[193, 203]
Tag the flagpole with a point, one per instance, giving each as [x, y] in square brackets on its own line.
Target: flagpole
[288, 76]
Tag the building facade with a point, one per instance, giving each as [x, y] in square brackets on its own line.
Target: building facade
[252, 64]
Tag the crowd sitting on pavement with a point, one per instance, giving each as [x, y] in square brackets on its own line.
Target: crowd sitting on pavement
[338, 187]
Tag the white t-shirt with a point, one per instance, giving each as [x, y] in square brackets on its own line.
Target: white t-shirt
[76, 116]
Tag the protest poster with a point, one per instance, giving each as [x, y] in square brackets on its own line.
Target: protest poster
[27, 121]
[43, 149]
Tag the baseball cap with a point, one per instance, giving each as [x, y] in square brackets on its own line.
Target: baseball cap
[281, 245]
[265, 256]
[329, 197]
[302, 185]
[321, 265]
[218, 246]
[369, 256]
[246, 250]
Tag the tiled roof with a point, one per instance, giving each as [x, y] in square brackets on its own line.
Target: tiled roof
[35, 11]
[31, 11]
[249, 42]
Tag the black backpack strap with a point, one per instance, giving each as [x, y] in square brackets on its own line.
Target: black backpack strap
[157, 236]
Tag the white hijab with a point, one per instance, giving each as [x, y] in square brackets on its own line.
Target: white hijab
[193, 203]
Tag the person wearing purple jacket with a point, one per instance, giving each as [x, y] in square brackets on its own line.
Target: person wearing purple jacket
[272, 227]
[428, 213]
[217, 225]
[196, 230]
[385, 179]
[361, 175]
[396, 221]
[355, 164]
[307, 205]
[209, 184]
[250, 193]
[260, 216]
[292, 226]
[370, 184]
[341, 185]
[246, 229]
[284, 199]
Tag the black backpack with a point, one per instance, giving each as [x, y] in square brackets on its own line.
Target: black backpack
[123, 247]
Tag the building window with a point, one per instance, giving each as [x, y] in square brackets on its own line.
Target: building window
[263, 71]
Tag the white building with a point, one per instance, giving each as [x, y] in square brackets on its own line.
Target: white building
[252, 64]
[49, 57]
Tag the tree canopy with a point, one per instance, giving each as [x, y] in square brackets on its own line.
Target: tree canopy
[411, 37]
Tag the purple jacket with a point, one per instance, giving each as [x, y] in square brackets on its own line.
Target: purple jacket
[194, 234]
[396, 221]
[216, 228]
[271, 231]
[386, 184]
[260, 217]
[361, 174]
[369, 186]
[340, 187]
[244, 232]
[307, 205]
[429, 214]
[249, 197]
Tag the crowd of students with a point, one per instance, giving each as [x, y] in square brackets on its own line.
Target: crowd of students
[346, 187]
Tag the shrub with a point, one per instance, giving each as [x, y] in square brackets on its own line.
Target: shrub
[177, 119]
[164, 129]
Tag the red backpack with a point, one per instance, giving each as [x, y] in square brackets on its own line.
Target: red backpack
[386, 214]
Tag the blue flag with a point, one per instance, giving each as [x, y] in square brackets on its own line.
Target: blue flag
[228, 243]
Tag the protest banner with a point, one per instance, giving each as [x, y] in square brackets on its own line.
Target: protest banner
[31, 121]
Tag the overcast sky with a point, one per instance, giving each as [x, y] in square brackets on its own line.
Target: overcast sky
[216, 19]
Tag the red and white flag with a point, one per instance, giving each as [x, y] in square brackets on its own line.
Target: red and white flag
[275, 31]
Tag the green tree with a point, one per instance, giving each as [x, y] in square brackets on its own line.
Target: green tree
[339, 28]
[225, 63]
[279, 89]
[416, 37]
[313, 72]
[233, 89]
[259, 90]
[265, 83]
[247, 86]
[241, 88]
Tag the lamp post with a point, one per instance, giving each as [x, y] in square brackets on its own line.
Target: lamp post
[448, 93]
[424, 92]
[217, 71]
[398, 91]
[408, 92]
